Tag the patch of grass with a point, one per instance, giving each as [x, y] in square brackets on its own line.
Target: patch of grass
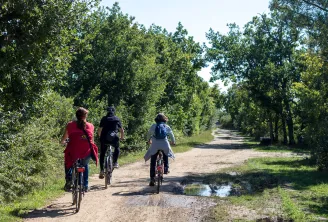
[219, 213]
[187, 143]
[14, 211]
[280, 148]
[252, 144]
[293, 211]
[290, 188]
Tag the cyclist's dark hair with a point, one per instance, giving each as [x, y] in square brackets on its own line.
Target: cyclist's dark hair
[80, 114]
[161, 118]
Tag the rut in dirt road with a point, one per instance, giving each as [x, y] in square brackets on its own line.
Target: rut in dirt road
[130, 198]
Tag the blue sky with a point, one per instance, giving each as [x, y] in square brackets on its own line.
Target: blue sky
[195, 15]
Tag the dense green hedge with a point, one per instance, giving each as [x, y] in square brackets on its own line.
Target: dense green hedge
[33, 156]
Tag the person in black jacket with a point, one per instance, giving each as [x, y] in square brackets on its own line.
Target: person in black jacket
[108, 130]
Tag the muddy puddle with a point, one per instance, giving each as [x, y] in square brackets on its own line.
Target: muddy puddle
[194, 187]
[168, 201]
[207, 190]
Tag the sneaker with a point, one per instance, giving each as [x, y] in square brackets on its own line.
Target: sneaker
[166, 170]
[86, 189]
[152, 182]
[116, 165]
[101, 174]
[68, 186]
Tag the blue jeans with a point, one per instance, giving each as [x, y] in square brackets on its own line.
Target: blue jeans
[68, 172]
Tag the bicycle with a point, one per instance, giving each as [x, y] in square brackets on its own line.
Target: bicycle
[77, 183]
[159, 170]
[108, 165]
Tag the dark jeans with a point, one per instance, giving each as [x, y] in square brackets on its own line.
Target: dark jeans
[153, 164]
[103, 149]
[68, 172]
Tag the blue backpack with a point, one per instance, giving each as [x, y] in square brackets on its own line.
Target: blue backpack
[160, 131]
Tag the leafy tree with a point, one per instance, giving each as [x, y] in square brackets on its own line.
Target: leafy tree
[37, 41]
[247, 115]
[312, 16]
[311, 92]
[262, 57]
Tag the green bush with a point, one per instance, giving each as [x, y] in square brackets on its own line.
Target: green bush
[225, 121]
[34, 157]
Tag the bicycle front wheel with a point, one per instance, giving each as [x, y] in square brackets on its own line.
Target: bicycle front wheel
[106, 172]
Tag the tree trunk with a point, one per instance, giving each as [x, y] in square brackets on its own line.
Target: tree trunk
[276, 128]
[283, 121]
[290, 124]
[271, 129]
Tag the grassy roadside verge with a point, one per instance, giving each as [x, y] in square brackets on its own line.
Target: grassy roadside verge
[273, 189]
[12, 211]
[251, 143]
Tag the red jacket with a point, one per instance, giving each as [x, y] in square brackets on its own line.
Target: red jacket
[79, 146]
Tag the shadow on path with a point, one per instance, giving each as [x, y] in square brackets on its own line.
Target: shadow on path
[52, 211]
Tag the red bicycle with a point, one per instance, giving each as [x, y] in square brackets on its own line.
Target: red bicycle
[159, 170]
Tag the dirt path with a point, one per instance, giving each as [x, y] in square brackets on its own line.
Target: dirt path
[131, 199]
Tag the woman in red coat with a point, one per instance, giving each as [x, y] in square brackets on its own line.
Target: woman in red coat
[80, 145]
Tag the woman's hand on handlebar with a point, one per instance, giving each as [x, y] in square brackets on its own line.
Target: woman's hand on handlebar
[64, 142]
[173, 144]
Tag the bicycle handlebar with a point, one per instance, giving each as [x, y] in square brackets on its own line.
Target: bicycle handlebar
[65, 142]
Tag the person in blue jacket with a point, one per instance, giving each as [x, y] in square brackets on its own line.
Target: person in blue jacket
[160, 136]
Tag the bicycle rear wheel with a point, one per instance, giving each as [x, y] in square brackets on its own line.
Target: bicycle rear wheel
[110, 169]
[159, 169]
[158, 182]
[74, 186]
[79, 192]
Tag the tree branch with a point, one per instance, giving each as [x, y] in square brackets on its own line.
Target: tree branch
[268, 29]
[315, 5]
